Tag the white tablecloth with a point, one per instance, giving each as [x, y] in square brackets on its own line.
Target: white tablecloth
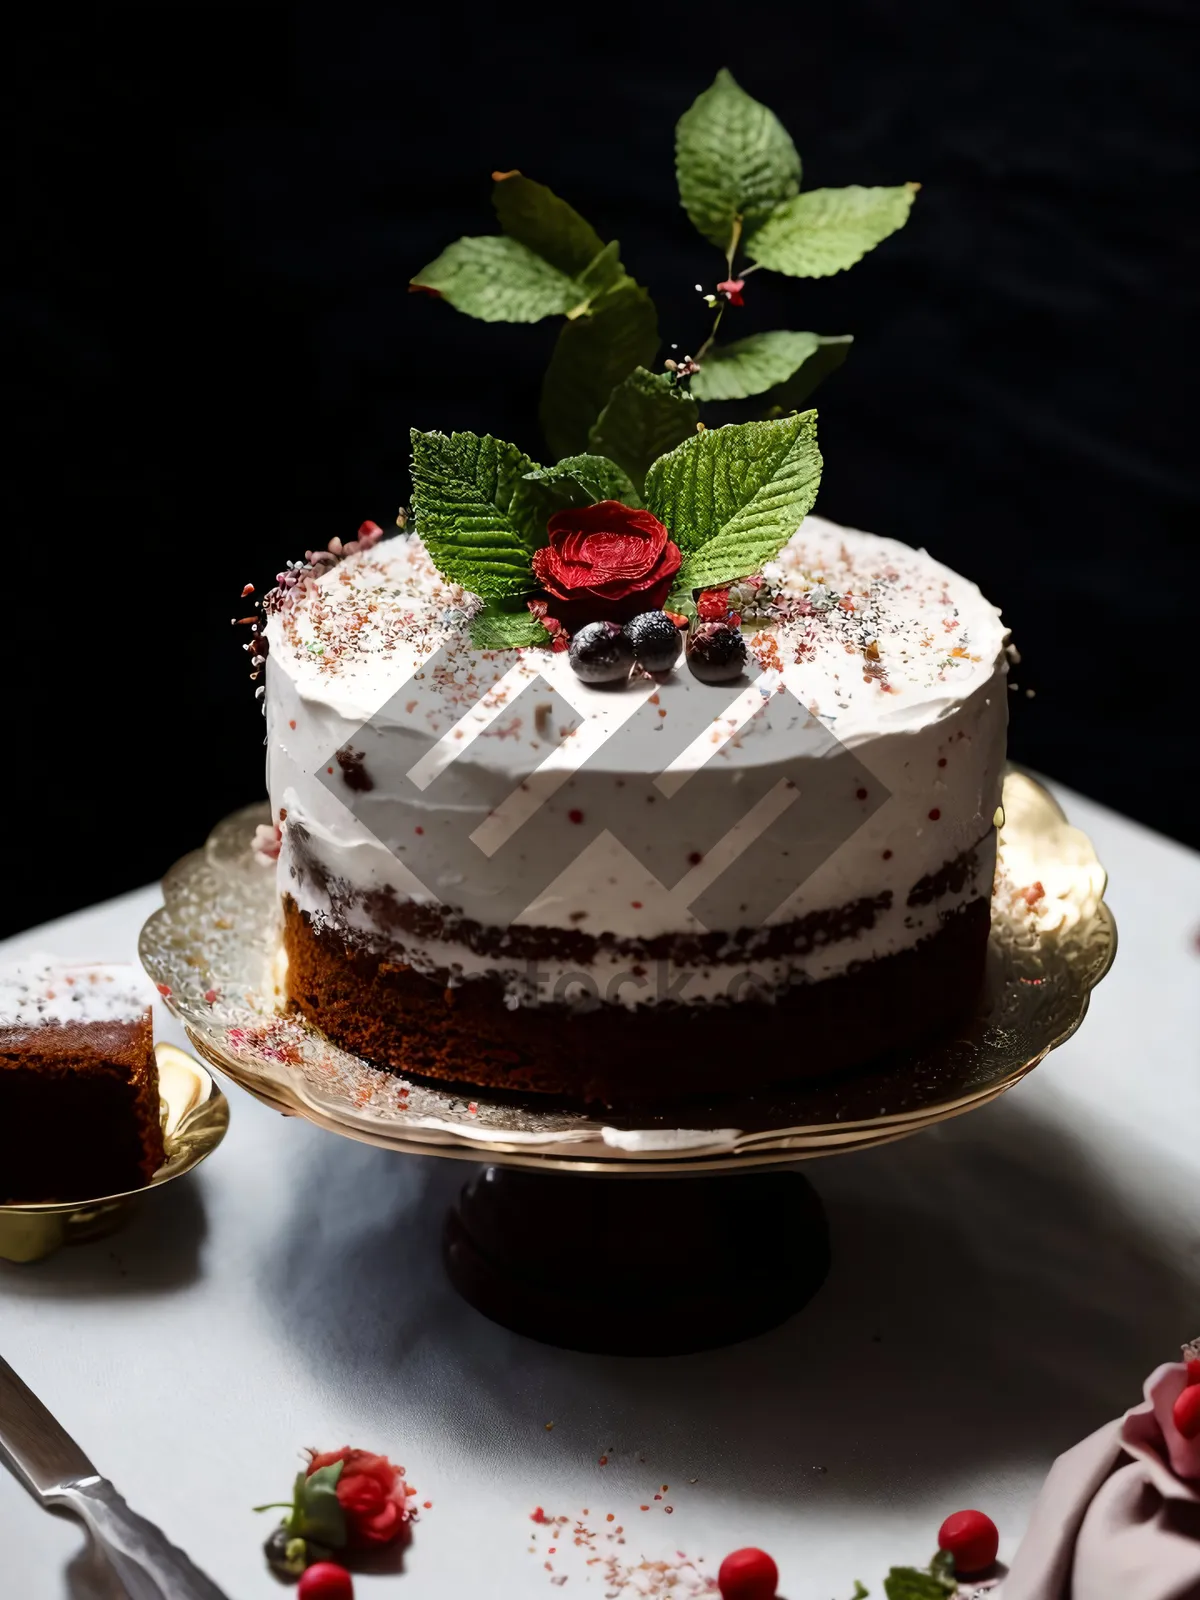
[1000, 1287]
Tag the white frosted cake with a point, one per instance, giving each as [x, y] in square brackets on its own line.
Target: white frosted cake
[492, 872]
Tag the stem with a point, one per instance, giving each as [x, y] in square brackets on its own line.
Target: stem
[707, 345]
[735, 238]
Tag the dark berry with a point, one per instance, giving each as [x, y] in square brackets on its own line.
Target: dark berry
[748, 1575]
[971, 1538]
[655, 640]
[287, 1554]
[600, 653]
[716, 653]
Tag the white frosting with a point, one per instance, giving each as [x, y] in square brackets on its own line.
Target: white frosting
[907, 672]
[42, 990]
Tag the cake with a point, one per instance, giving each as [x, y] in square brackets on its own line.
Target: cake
[615, 779]
[79, 1106]
[606, 986]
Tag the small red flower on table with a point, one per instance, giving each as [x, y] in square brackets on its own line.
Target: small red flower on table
[371, 1493]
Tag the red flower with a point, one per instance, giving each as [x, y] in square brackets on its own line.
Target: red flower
[732, 290]
[371, 1493]
[605, 563]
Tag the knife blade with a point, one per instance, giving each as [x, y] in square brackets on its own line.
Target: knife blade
[36, 1446]
[44, 1457]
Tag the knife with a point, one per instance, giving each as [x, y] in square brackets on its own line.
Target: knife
[58, 1475]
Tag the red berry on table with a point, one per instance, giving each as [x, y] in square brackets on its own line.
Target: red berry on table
[748, 1574]
[971, 1538]
[1186, 1412]
[326, 1581]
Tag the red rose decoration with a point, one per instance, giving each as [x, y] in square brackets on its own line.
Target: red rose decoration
[371, 1493]
[605, 563]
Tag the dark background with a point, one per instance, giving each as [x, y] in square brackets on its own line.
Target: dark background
[214, 212]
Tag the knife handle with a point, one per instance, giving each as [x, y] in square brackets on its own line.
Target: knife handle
[141, 1556]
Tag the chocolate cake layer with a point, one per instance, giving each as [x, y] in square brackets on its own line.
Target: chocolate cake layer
[614, 1057]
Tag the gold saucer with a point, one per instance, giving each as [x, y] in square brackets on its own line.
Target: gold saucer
[213, 949]
[195, 1115]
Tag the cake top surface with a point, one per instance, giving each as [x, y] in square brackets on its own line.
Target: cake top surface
[869, 635]
[43, 990]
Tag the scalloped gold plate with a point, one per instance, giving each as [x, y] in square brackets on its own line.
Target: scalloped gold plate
[213, 948]
[195, 1115]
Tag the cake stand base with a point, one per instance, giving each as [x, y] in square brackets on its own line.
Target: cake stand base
[639, 1266]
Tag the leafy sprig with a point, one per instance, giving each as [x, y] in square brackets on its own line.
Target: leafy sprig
[739, 177]
[731, 498]
[937, 1581]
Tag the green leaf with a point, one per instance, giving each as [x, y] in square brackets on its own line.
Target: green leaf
[732, 497]
[909, 1583]
[496, 629]
[647, 415]
[734, 161]
[463, 491]
[583, 480]
[831, 350]
[861, 1591]
[682, 603]
[536, 217]
[319, 1512]
[603, 273]
[826, 230]
[575, 481]
[548, 261]
[595, 352]
[753, 365]
[499, 280]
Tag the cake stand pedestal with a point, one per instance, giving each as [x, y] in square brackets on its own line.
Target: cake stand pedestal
[640, 1267]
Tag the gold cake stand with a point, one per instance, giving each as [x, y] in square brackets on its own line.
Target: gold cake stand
[195, 1115]
[213, 950]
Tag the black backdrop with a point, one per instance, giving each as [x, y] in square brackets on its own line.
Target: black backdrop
[216, 212]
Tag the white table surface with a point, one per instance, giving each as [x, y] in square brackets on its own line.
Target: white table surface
[1000, 1287]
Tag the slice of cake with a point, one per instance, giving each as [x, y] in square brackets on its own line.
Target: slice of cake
[79, 1107]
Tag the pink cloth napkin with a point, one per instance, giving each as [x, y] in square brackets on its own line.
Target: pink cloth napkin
[1118, 1517]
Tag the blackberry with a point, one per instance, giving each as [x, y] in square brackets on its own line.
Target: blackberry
[600, 653]
[716, 653]
[655, 640]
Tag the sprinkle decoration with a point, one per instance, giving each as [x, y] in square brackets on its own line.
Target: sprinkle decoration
[572, 1546]
[297, 579]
